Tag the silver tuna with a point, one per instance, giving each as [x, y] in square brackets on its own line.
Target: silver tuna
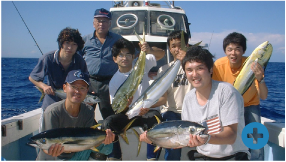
[61, 94]
[155, 90]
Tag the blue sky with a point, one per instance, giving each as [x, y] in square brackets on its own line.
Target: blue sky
[210, 22]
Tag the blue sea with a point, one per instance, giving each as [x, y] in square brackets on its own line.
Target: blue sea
[19, 95]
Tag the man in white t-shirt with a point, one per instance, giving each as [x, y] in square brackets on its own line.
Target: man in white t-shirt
[123, 52]
[216, 105]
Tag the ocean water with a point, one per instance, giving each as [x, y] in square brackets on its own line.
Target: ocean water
[18, 94]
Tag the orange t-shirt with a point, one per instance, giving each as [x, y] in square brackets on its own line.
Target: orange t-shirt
[222, 72]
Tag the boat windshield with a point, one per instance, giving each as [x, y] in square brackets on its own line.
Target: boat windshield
[124, 22]
[163, 23]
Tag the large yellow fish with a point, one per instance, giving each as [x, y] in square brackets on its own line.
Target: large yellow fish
[261, 55]
[130, 85]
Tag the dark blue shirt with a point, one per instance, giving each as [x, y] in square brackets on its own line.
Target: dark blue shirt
[98, 56]
[49, 65]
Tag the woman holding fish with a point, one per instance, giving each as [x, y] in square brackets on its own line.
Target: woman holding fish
[247, 76]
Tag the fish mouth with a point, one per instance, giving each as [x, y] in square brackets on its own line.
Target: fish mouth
[33, 143]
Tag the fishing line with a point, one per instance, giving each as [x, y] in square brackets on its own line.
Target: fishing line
[27, 28]
[210, 41]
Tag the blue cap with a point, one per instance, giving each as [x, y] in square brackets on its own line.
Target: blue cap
[102, 13]
[75, 75]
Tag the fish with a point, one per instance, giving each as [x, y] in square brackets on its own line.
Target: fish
[172, 134]
[245, 78]
[130, 85]
[90, 99]
[183, 43]
[73, 139]
[152, 94]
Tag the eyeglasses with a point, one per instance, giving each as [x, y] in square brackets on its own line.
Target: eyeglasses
[101, 21]
[129, 56]
[79, 89]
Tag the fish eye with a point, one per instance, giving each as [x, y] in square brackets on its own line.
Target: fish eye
[43, 141]
[192, 130]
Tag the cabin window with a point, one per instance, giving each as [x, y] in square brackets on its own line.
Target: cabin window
[163, 23]
[124, 22]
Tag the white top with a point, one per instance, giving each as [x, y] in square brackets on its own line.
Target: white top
[118, 79]
[177, 90]
[224, 107]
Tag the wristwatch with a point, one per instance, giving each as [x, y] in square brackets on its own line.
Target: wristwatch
[261, 81]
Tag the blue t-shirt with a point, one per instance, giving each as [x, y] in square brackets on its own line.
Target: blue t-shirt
[49, 65]
[98, 56]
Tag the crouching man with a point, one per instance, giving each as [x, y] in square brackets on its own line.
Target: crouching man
[71, 112]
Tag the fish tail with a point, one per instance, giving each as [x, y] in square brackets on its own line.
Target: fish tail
[123, 135]
[156, 149]
[158, 120]
[139, 142]
[183, 43]
[43, 94]
[95, 126]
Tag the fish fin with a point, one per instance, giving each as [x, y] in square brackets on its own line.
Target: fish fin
[156, 149]
[158, 120]
[139, 38]
[197, 44]
[43, 94]
[143, 39]
[183, 43]
[139, 142]
[123, 135]
[95, 126]
[94, 149]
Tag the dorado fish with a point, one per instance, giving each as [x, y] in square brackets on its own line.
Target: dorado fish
[260, 55]
[130, 85]
[73, 139]
[155, 90]
[61, 94]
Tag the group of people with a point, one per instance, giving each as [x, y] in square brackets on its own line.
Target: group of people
[100, 62]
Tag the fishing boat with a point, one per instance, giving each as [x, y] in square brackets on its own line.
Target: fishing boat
[128, 17]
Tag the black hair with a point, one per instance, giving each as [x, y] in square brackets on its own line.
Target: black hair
[235, 38]
[198, 54]
[177, 35]
[69, 34]
[122, 43]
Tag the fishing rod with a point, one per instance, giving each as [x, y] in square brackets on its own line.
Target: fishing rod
[210, 41]
[27, 28]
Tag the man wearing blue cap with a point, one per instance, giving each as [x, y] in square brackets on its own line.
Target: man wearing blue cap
[98, 57]
[70, 112]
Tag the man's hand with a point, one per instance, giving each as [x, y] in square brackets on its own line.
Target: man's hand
[55, 150]
[257, 70]
[143, 111]
[48, 90]
[110, 136]
[197, 140]
[145, 47]
[180, 56]
[143, 137]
